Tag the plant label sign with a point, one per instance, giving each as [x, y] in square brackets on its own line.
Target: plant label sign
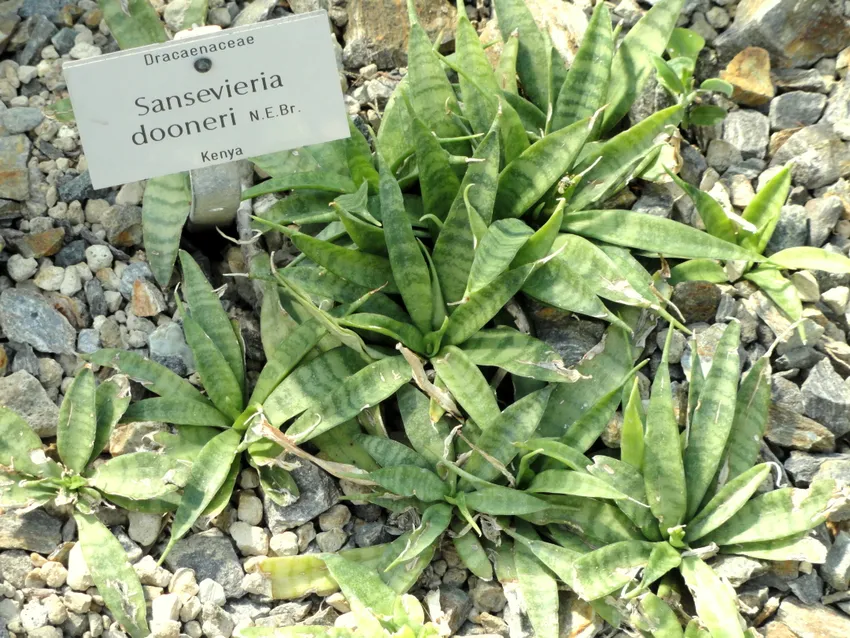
[205, 100]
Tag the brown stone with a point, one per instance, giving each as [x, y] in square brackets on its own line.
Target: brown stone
[749, 73]
[696, 300]
[377, 30]
[14, 174]
[43, 244]
[147, 300]
[778, 630]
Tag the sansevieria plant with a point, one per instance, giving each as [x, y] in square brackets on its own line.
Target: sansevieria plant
[76, 479]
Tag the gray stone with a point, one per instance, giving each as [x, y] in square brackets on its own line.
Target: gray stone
[49, 8]
[797, 358]
[331, 541]
[786, 394]
[23, 394]
[88, 341]
[836, 569]
[738, 569]
[800, 80]
[838, 106]
[820, 157]
[168, 347]
[14, 153]
[35, 531]
[456, 605]
[133, 271]
[827, 399]
[318, 493]
[796, 109]
[40, 32]
[30, 318]
[812, 621]
[808, 587]
[748, 131]
[792, 430]
[215, 621]
[721, 155]
[20, 119]
[837, 470]
[124, 226]
[286, 615]
[795, 33]
[823, 214]
[792, 229]
[802, 466]
[14, 567]
[211, 555]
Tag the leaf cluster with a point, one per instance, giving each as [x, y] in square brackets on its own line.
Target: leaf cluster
[30, 479]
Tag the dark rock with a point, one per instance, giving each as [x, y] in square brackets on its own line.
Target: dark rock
[35, 531]
[73, 253]
[79, 188]
[570, 336]
[827, 399]
[95, 297]
[456, 605]
[211, 555]
[797, 358]
[318, 493]
[808, 587]
[655, 201]
[697, 300]
[40, 32]
[64, 40]
[371, 534]
[693, 164]
[29, 318]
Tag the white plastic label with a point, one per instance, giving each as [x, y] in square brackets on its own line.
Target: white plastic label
[206, 100]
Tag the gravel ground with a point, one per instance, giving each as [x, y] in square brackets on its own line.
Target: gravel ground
[74, 278]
